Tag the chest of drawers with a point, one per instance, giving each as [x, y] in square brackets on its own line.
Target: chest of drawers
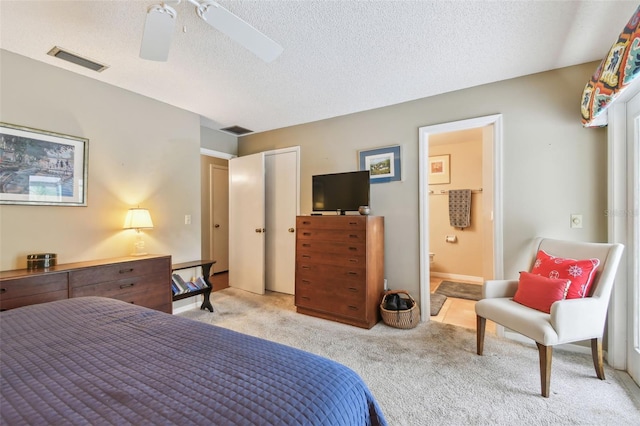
[340, 268]
[144, 281]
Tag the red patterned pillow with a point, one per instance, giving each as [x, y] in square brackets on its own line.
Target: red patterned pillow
[540, 292]
[580, 272]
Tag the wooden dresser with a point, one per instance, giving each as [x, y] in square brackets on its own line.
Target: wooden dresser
[141, 280]
[340, 268]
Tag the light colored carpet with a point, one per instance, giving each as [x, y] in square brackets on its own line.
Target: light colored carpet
[431, 374]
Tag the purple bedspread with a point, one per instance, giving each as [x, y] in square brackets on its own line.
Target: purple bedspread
[102, 361]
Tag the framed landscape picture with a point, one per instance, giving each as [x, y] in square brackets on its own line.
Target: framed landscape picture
[383, 163]
[38, 167]
[439, 169]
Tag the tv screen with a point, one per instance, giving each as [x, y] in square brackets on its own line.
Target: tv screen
[340, 192]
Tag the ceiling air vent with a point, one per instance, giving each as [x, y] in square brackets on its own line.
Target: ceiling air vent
[237, 130]
[59, 52]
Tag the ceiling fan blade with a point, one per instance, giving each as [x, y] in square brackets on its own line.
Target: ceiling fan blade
[158, 31]
[240, 31]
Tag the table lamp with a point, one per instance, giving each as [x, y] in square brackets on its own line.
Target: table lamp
[138, 219]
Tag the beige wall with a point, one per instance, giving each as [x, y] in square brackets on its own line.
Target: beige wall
[141, 152]
[552, 166]
[460, 257]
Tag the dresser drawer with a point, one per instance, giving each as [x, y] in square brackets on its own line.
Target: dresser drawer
[114, 272]
[16, 302]
[325, 300]
[28, 286]
[343, 248]
[331, 273]
[345, 260]
[331, 222]
[333, 235]
[344, 289]
[141, 284]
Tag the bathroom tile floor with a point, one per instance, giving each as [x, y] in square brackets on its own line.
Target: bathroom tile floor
[459, 312]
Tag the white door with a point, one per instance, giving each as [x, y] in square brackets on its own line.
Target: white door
[281, 211]
[247, 222]
[219, 223]
[633, 246]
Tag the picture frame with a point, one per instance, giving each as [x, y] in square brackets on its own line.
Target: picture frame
[38, 167]
[439, 170]
[384, 164]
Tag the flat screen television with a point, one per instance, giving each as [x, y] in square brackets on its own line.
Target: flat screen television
[340, 192]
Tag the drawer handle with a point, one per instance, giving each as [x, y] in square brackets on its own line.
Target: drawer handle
[127, 285]
[304, 298]
[306, 234]
[305, 267]
[353, 223]
[2, 290]
[353, 289]
[125, 271]
[353, 248]
[353, 308]
[306, 222]
[306, 282]
[306, 245]
[306, 256]
[353, 236]
[353, 260]
[352, 273]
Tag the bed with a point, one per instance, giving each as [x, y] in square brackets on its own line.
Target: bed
[94, 360]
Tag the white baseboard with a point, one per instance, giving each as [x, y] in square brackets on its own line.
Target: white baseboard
[188, 304]
[457, 277]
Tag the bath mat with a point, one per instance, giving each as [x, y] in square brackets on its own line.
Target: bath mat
[437, 300]
[460, 290]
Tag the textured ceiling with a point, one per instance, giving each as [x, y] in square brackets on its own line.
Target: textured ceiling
[339, 56]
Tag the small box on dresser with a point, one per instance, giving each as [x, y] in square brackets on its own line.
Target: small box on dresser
[340, 268]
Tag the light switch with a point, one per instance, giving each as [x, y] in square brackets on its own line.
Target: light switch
[187, 219]
[576, 221]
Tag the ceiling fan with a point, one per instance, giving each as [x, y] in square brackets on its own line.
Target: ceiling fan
[161, 20]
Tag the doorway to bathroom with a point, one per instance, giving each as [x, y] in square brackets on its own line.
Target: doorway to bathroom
[461, 160]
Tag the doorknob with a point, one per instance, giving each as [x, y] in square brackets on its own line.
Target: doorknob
[217, 225]
[291, 230]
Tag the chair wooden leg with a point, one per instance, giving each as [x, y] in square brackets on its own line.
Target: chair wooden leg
[480, 326]
[545, 353]
[596, 354]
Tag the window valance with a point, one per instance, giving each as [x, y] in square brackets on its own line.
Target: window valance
[614, 74]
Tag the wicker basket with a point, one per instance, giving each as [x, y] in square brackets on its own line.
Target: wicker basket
[407, 318]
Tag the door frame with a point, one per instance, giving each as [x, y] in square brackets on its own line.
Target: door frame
[215, 154]
[620, 171]
[423, 150]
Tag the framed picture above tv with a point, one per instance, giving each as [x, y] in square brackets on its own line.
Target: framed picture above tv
[38, 167]
[384, 164]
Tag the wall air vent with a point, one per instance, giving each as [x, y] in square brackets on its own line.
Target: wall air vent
[237, 130]
[59, 52]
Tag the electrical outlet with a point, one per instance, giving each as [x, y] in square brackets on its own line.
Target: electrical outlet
[576, 221]
[187, 219]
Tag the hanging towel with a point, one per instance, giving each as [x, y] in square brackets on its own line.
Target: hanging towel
[460, 208]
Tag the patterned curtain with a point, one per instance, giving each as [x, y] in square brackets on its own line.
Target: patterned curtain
[614, 74]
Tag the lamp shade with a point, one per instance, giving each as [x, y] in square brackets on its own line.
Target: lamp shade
[138, 218]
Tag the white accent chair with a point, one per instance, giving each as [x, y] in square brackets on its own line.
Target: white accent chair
[570, 320]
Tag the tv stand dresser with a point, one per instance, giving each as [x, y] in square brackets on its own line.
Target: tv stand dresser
[141, 280]
[340, 268]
